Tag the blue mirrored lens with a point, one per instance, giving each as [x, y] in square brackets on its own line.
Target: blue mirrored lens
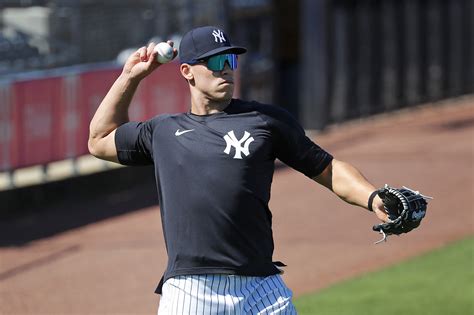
[217, 63]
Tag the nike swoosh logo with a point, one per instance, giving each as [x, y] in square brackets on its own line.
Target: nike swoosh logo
[179, 133]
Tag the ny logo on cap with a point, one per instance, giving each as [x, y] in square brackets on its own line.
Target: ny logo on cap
[218, 35]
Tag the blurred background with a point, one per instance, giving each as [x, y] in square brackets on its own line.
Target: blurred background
[324, 61]
[328, 62]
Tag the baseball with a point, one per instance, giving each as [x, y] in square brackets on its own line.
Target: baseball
[165, 52]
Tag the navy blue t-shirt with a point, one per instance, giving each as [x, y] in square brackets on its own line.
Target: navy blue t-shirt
[213, 175]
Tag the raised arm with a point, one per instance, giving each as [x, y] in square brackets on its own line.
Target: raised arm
[113, 110]
[351, 186]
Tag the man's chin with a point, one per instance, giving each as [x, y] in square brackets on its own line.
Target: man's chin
[224, 96]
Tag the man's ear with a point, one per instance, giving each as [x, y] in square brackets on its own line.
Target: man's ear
[186, 71]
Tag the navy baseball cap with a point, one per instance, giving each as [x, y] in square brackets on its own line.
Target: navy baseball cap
[206, 41]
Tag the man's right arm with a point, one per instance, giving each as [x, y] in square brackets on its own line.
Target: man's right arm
[113, 110]
[112, 113]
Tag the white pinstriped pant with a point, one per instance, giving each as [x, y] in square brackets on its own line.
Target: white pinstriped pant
[225, 294]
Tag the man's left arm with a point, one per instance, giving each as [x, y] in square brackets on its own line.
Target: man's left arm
[350, 185]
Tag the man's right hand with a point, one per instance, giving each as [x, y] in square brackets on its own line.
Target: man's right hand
[143, 62]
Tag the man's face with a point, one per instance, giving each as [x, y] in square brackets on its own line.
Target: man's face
[215, 85]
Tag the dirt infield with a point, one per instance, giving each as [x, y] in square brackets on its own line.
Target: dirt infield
[112, 266]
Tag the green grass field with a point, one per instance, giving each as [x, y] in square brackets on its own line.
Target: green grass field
[438, 283]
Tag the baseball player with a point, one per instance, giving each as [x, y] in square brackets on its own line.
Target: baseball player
[214, 167]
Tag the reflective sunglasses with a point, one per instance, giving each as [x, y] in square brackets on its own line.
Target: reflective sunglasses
[217, 62]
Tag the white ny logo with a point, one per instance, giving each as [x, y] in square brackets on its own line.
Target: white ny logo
[218, 35]
[231, 141]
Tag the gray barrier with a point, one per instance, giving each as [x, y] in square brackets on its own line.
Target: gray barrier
[365, 57]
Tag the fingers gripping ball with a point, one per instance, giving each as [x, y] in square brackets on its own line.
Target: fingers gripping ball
[405, 208]
[165, 52]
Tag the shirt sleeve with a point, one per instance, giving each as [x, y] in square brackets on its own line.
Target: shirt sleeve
[133, 141]
[292, 146]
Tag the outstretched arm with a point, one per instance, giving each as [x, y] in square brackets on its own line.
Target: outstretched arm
[351, 186]
[113, 110]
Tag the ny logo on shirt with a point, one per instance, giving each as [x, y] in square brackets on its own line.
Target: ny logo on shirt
[241, 146]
